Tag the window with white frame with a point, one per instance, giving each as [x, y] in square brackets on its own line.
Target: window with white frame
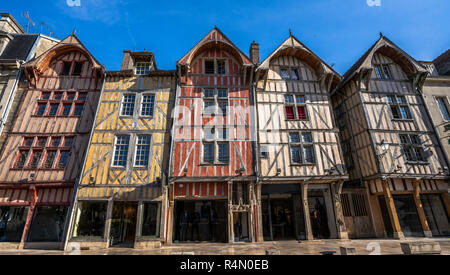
[121, 151]
[295, 107]
[128, 102]
[443, 107]
[301, 147]
[147, 105]
[215, 101]
[383, 71]
[143, 68]
[142, 151]
[412, 148]
[399, 107]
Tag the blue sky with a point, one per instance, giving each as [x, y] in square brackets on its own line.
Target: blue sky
[339, 31]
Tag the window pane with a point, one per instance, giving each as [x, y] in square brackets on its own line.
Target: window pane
[208, 152]
[308, 154]
[36, 157]
[415, 139]
[66, 109]
[28, 142]
[92, 219]
[404, 139]
[63, 159]
[223, 106]
[284, 74]
[142, 68]
[387, 72]
[391, 99]
[41, 141]
[223, 152]
[57, 96]
[53, 109]
[395, 112]
[70, 96]
[289, 112]
[300, 99]
[23, 156]
[68, 141]
[128, 105]
[48, 224]
[12, 223]
[294, 137]
[77, 68]
[142, 151]
[66, 68]
[301, 112]
[220, 67]
[409, 154]
[307, 137]
[51, 155]
[55, 141]
[443, 108]
[378, 71]
[294, 74]
[45, 95]
[121, 151]
[405, 112]
[148, 103]
[82, 96]
[222, 93]
[295, 154]
[150, 220]
[78, 109]
[209, 67]
[420, 154]
[288, 99]
[208, 93]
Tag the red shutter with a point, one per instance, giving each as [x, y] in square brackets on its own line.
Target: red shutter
[289, 112]
[301, 112]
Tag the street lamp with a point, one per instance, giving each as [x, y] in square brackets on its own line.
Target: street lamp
[384, 146]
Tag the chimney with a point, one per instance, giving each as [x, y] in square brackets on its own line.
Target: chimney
[127, 61]
[254, 52]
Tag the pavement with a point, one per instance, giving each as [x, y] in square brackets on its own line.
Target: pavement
[315, 247]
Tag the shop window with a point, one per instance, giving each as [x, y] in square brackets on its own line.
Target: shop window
[151, 219]
[12, 223]
[48, 224]
[91, 218]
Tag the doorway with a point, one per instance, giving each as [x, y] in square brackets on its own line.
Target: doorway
[436, 215]
[123, 224]
[318, 216]
[241, 228]
[280, 221]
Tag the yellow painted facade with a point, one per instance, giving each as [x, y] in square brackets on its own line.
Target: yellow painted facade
[99, 178]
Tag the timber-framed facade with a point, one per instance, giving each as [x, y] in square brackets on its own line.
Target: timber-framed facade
[121, 197]
[393, 151]
[301, 168]
[44, 149]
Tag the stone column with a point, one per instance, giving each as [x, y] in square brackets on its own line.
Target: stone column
[308, 227]
[420, 212]
[336, 190]
[396, 228]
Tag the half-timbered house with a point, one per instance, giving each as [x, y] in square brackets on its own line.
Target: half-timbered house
[391, 150]
[300, 163]
[44, 149]
[211, 192]
[119, 199]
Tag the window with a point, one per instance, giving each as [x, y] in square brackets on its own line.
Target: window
[151, 219]
[61, 104]
[143, 68]
[209, 66]
[142, 151]
[66, 68]
[221, 67]
[68, 141]
[301, 147]
[264, 152]
[443, 107]
[42, 153]
[289, 73]
[121, 151]
[223, 151]
[295, 109]
[63, 159]
[12, 222]
[128, 105]
[208, 152]
[91, 219]
[215, 101]
[412, 148]
[383, 71]
[399, 107]
[148, 102]
[77, 68]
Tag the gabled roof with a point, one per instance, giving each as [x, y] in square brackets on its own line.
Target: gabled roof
[215, 39]
[68, 44]
[293, 46]
[391, 50]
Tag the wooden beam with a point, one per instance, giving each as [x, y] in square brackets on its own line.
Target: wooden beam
[420, 211]
[396, 228]
[308, 227]
[336, 190]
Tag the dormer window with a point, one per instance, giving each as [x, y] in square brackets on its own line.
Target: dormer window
[143, 68]
[383, 71]
[66, 68]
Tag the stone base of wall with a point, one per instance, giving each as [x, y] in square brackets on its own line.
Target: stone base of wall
[147, 244]
[74, 245]
[44, 245]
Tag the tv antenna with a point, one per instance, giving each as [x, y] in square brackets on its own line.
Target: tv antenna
[27, 16]
[51, 33]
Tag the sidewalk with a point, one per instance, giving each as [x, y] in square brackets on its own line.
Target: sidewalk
[316, 247]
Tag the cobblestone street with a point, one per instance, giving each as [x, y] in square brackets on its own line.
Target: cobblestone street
[316, 247]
